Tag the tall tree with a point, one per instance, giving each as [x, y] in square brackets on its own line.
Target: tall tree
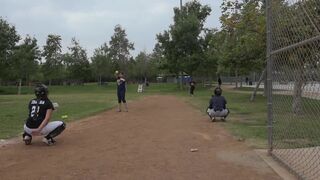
[146, 66]
[243, 26]
[78, 67]
[8, 40]
[53, 67]
[182, 44]
[26, 58]
[119, 48]
[101, 63]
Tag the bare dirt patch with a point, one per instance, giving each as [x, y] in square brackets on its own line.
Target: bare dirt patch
[151, 141]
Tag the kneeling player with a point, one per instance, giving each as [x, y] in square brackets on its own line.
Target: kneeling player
[37, 124]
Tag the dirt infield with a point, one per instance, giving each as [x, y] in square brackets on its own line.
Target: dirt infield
[152, 142]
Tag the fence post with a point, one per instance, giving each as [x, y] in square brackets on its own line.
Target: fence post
[269, 75]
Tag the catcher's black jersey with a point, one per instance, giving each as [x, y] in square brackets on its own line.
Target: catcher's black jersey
[37, 112]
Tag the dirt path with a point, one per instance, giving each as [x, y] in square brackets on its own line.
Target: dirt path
[150, 142]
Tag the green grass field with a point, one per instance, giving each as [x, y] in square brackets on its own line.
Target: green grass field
[247, 119]
[75, 101]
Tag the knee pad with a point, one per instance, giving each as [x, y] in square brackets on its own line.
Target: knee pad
[57, 131]
[26, 134]
[27, 141]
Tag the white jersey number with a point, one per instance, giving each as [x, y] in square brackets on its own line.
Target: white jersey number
[34, 110]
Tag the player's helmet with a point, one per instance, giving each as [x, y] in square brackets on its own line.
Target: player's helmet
[41, 91]
[218, 91]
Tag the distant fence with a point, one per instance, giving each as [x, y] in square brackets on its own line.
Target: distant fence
[294, 84]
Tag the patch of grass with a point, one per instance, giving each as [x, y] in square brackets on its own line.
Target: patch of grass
[248, 89]
[74, 101]
[247, 119]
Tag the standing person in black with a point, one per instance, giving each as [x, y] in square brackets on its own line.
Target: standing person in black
[121, 91]
[192, 87]
[247, 81]
[38, 121]
[219, 82]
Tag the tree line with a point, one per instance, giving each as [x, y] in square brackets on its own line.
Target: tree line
[186, 47]
[23, 62]
[237, 48]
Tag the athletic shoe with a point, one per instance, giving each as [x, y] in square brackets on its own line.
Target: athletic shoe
[213, 119]
[27, 140]
[49, 141]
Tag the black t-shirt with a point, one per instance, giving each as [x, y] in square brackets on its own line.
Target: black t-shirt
[192, 83]
[218, 103]
[37, 112]
[121, 85]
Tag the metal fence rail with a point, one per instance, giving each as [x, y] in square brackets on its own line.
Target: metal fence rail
[294, 84]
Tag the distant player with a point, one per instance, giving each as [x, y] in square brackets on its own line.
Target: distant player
[37, 123]
[121, 91]
[217, 106]
[192, 87]
[219, 82]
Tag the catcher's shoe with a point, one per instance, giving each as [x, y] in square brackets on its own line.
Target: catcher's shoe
[27, 138]
[213, 119]
[48, 141]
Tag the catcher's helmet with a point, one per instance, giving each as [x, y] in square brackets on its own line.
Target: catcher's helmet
[41, 91]
[218, 91]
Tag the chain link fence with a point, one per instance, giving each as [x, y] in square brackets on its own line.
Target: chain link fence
[294, 73]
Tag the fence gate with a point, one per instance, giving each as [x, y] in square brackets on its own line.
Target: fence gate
[294, 84]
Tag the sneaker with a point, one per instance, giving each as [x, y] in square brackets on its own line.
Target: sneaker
[213, 119]
[209, 115]
[49, 141]
[27, 140]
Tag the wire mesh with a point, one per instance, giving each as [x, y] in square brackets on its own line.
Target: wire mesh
[295, 53]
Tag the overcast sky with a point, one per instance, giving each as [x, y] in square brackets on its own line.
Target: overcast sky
[92, 21]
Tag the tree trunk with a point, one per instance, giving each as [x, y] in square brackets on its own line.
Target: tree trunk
[265, 88]
[50, 82]
[297, 91]
[19, 86]
[100, 80]
[181, 83]
[263, 75]
[236, 72]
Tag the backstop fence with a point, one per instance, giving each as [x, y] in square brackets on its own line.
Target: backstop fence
[293, 51]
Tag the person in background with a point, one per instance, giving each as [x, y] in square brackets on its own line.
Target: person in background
[247, 81]
[219, 82]
[192, 87]
[121, 91]
[217, 106]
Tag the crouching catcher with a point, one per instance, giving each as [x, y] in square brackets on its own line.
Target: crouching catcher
[217, 106]
[38, 121]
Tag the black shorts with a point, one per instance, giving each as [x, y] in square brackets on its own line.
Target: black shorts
[121, 97]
